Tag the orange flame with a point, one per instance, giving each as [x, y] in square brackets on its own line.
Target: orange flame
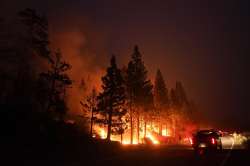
[101, 133]
[152, 138]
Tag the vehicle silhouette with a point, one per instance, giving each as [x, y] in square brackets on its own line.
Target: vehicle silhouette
[206, 141]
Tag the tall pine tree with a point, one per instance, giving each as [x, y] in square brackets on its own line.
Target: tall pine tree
[161, 99]
[160, 91]
[139, 89]
[178, 96]
[53, 85]
[37, 36]
[112, 98]
[90, 106]
[179, 107]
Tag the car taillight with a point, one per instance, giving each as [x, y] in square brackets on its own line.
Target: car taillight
[213, 141]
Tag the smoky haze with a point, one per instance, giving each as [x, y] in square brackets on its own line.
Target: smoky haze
[204, 44]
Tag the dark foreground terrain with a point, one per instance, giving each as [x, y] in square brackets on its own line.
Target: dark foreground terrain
[176, 156]
[116, 155]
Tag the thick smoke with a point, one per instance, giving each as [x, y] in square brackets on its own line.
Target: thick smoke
[87, 65]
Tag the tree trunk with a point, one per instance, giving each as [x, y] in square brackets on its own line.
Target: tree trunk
[91, 123]
[121, 138]
[145, 129]
[138, 128]
[131, 127]
[109, 125]
[50, 96]
[174, 128]
[166, 127]
[160, 129]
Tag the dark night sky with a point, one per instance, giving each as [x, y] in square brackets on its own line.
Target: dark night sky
[205, 44]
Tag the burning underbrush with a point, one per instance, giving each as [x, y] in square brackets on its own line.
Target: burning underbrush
[130, 109]
[152, 135]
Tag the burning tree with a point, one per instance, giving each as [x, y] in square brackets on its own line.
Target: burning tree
[120, 121]
[139, 90]
[181, 109]
[161, 99]
[178, 96]
[112, 99]
[90, 107]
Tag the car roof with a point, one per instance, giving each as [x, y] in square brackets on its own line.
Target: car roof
[207, 132]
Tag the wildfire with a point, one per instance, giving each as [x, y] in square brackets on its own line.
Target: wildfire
[165, 132]
[151, 135]
[100, 133]
[152, 138]
[126, 142]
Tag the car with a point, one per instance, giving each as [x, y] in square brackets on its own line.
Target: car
[206, 140]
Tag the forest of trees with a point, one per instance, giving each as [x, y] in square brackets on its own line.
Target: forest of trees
[33, 77]
[34, 80]
[129, 101]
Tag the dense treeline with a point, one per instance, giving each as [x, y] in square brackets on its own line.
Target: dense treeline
[129, 101]
[34, 81]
